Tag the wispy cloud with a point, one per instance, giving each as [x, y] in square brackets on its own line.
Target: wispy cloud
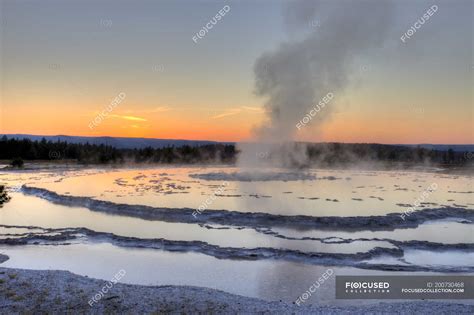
[254, 109]
[160, 109]
[134, 118]
[231, 112]
[238, 110]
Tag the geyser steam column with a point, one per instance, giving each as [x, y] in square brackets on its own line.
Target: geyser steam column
[301, 72]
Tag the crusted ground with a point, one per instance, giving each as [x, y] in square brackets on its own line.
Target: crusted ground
[53, 292]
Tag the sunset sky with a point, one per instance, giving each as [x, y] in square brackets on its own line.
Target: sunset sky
[63, 62]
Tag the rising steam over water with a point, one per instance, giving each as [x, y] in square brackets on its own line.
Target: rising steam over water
[297, 75]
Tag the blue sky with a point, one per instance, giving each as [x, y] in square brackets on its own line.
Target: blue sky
[63, 57]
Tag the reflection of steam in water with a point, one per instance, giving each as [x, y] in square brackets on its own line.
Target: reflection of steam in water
[282, 281]
[258, 176]
[358, 193]
[291, 280]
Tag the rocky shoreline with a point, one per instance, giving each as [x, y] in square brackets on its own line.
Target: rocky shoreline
[54, 292]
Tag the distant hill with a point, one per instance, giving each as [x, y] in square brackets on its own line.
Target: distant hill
[117, 142]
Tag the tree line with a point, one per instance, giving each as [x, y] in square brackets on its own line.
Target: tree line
[18, 150]
[347, 153]
[318, 154]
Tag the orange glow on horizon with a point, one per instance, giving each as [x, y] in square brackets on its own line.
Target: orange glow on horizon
[232, 125]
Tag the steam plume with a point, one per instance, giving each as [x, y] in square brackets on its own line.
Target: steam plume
[300, 72]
